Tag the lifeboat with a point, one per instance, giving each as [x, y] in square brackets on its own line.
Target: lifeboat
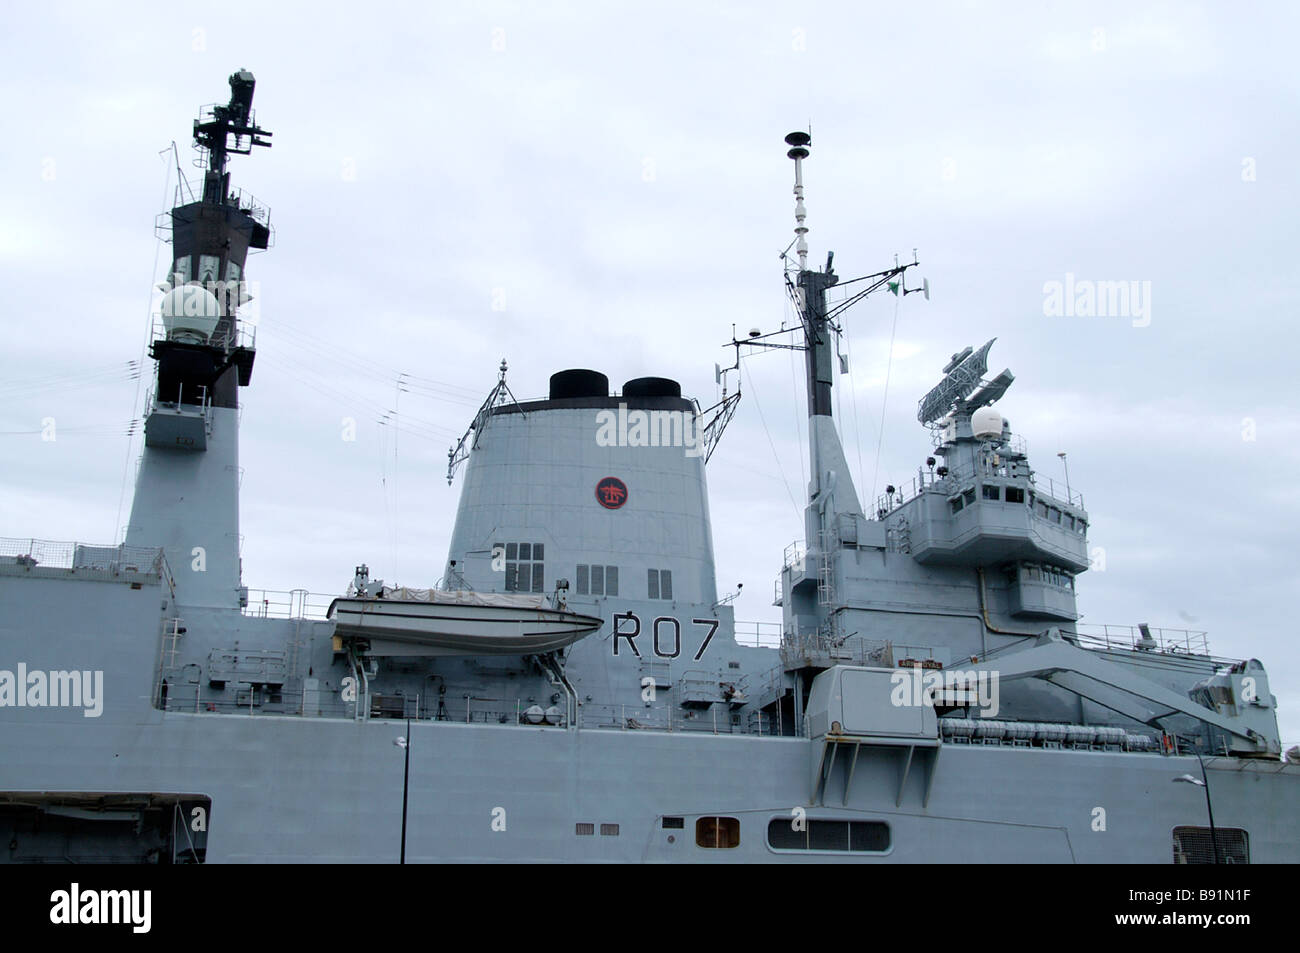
[431, 622]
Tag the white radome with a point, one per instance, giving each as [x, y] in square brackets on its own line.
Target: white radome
[986, 423]
[190, 311]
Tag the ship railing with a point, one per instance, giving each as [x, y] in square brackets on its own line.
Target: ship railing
[761, 635]
[819, 649]
[185, 694]
[1129, 637]
[1057, 491]
[795, 555]
[714, 720]
[291, 604]
[187, 192]
[56, 554]
[234, 334]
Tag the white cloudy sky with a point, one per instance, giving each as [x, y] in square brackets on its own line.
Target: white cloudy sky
[617, 173]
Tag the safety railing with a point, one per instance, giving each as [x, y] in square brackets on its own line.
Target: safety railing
[291, 604]
[29, 553]
[1132, 637]
[763, 635]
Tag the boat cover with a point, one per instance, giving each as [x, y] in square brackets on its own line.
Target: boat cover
[467, 597]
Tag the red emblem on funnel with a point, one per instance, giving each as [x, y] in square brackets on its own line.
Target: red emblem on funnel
[611, 493]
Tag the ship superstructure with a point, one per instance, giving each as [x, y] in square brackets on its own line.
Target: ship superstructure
[575, 687]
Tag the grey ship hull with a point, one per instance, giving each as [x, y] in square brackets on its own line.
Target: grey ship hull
[329, 788]
[288, 789]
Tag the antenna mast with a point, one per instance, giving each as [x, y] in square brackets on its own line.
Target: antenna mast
[799, 142]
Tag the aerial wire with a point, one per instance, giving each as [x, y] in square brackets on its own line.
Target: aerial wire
[144, 347]
[776, 456]
[884, 401]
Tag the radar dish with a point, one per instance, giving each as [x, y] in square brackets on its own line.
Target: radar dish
[961, 380]
[991, 391]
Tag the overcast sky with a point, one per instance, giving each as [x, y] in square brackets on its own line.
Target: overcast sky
[616, 177]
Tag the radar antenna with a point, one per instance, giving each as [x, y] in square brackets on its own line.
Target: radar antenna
[214, 127]
[964, 373]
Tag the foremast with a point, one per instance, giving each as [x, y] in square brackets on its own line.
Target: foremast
[831, 492]
[187, 490]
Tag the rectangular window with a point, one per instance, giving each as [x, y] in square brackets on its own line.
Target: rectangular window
[717, 832]
[992, 492]
[1194, 845]
[609, 830]
[1015, 494]
[827, 835]
[674, 823]
[659, 584]
[593, 580]
[525, 571]
[956, 504]
[209, 268]
[584, 830]
[968, 496]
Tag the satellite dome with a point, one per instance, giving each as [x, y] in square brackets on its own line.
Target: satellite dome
[190, 313]
[986, 423]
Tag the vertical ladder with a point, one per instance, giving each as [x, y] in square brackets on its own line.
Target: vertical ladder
[173, 629]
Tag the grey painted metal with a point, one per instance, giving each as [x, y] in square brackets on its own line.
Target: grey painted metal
[613, 748]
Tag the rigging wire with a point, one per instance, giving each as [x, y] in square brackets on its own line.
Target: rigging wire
[853, 396]
[112, 374]
[310, 343]
[780, 469]
[796, 404]
[412, 425]
[144, 347]
[884, 402]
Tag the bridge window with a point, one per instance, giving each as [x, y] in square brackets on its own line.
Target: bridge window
[858, 837]
[525, 564]
[992, 492]
[1194, 845]
[659, 584]
[1015, 494]
[209, 268]
[721, 832]
[597, 580]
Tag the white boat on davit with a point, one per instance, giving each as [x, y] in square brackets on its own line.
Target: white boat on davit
[428, 622]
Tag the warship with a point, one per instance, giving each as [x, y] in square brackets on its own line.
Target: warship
[575, 688]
